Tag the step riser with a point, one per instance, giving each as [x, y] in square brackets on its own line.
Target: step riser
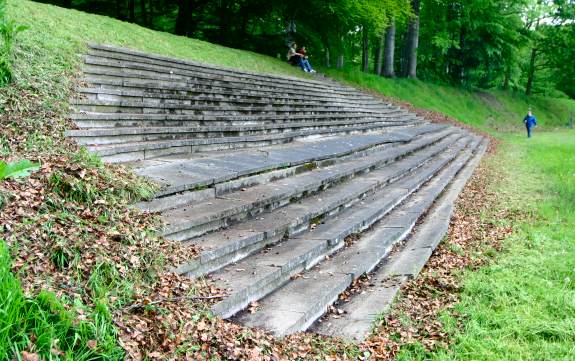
[121, 54]
[95, 74]
[239, 300]
[165, 88]
[145, 69]
[215, 259]
[129, 138]
[234, 99]
[144, 151]
[127, 123]
[138, 108]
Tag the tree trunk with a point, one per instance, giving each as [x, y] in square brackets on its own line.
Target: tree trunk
[413, 41]
[507, 76]
[151, 13]
[327, 59]
[378, 68]
[184, 18]
[531, 72]
[119, 12]
[365, 53]
[131, 11]
[389, 68]
[339, 64]
[144, 12]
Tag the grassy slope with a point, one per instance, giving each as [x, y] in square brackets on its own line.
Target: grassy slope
[490, 111]
[57, 35]
[522, 306]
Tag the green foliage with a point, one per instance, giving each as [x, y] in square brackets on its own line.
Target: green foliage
[522, 307]
[8, 31]
[42, 326]
[19, 169]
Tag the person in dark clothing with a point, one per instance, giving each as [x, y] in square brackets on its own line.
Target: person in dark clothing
[530, 122]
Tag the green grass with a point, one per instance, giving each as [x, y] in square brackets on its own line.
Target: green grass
[60, 34]
[487, 110]
[40, 325]
[522, 306]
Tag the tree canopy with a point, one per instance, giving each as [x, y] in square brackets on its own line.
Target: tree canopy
[526, 45]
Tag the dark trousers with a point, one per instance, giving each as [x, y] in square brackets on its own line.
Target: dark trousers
[528, 130]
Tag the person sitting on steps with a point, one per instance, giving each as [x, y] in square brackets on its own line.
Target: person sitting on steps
[297, 58]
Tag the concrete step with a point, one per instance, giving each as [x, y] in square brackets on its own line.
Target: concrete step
[174, 86]
[295, 306]
[126, 57]
[210, 96]
[225, 172]
[118, 135]
[152, 149]
[124, 120]
[197, 219]
[360, 310]
[95, 73]
[109, 106]
[266, 271]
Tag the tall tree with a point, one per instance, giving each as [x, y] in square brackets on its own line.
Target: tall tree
[389, 63]
[412, 41]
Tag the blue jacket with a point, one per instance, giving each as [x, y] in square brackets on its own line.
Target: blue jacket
[530, 120]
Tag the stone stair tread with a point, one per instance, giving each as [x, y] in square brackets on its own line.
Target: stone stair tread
[361, 310]
[303, 251]
[119, 131]
[217, 247]
[301, 302]
[196, 214]
[223, 95]
[236, 141]
[203, 171]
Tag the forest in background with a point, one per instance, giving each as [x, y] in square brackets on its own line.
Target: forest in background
[523, 45]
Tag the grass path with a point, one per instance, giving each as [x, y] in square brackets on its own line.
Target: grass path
[522, 306]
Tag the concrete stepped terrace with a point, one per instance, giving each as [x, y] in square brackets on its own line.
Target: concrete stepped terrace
[291, 187]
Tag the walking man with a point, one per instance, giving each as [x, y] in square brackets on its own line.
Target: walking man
[530, 122]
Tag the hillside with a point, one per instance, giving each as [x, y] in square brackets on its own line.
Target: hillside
[486, 110]
[93, 273]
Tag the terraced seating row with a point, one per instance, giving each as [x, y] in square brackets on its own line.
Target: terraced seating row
[329, 181]
[140, 106]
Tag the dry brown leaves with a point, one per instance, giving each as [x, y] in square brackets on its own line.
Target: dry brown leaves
[415, 315]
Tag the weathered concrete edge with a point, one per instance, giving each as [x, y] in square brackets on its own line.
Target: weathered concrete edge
[440, 213]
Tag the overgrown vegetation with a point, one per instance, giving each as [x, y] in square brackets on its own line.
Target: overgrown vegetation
[8, 31]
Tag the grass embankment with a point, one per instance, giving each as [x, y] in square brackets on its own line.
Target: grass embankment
[522, 305]
[491, 111]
